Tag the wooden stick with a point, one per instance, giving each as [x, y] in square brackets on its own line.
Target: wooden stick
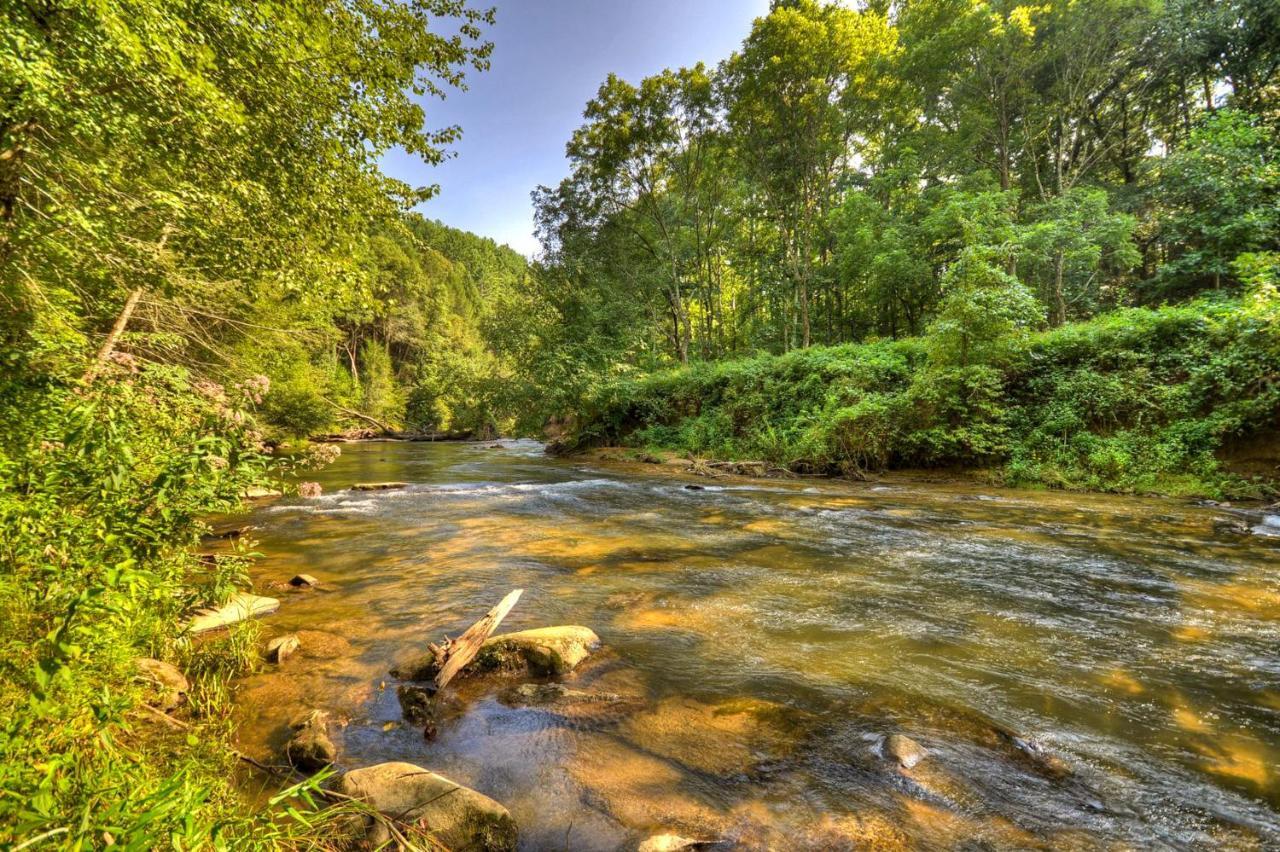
[462, 650]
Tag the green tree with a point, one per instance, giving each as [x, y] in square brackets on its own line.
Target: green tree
[1216, 198]
[800, 91]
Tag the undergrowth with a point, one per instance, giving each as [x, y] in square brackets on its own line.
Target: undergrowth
[1137, 400]
[102, 489]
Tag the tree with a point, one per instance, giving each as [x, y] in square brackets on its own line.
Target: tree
[1216, 198]
[1071, 245]
[800, 90]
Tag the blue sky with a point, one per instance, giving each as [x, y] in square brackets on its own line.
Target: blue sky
[549, 58]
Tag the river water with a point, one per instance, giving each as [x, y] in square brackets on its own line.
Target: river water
[1084, 671]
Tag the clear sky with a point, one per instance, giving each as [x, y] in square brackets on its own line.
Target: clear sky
[549, 58]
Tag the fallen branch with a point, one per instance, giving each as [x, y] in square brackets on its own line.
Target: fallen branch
[366, 418]
[455, 654]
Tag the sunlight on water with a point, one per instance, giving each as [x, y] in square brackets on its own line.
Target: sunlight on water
[1083, 671]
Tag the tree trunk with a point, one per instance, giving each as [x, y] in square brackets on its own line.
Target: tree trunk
[109, 345]
[1059, 298]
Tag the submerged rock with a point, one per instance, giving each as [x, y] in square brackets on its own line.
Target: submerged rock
[555, 693]
[419, 707]
[906, 751]
[241, 606]
[229, 533]
[310, 749]
[459, 818]
[378, 486]
[672, 843]
[282, 647]
[167, 684]
[544, 651]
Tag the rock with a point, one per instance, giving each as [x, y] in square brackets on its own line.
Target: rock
[1231, 526]
[310, 749]
[555, 693]
[378, 486]
[168, 685]
[259, 493]
[241, 606]
[543, 651]
[309, 489]
[416, 704]
[1048, 763]
[671, 843]
[459, 818]
[906, 751]
[304, 581]
[689, 488]
[282, 647]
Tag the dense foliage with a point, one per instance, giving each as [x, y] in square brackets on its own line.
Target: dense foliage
[1038, 239]
[1137, 400]
[955, 176]
[193, 228]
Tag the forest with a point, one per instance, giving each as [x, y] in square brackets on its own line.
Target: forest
[1039, 241]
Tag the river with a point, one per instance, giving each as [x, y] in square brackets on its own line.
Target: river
[1084, 670]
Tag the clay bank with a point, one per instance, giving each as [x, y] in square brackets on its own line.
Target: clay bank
[768, 664]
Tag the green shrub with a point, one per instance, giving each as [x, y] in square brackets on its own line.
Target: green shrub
[1134, 400]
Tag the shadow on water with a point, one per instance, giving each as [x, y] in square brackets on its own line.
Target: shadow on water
[1083, 670]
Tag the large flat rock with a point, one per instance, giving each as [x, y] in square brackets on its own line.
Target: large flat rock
[241, 606]
[457, 817]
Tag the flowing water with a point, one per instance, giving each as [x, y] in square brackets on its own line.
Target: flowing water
[1085, 671]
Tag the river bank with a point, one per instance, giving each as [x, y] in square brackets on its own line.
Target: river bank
[1065, 659]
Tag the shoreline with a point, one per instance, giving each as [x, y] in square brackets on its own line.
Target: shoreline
[673, 463]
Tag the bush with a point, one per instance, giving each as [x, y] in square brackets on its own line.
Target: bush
[1134, 400]
[297, 409]
[101, 495]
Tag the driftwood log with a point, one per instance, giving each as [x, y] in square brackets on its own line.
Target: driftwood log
[456, 653]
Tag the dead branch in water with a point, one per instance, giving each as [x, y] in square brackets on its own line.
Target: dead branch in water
[455, 654]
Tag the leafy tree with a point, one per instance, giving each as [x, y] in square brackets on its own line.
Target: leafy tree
[1072, 245]
[1219, 197]
[800, 88]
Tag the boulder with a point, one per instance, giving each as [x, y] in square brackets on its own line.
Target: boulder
[282, 647]
[457, 817]
[241, 606]
[542, 651]
[303, 581]
[310, 749]
[168, 685]
[904, 750]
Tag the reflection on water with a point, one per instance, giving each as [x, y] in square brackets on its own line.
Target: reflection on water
[1083, 670]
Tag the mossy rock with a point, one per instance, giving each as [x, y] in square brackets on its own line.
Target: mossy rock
[542, 651]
